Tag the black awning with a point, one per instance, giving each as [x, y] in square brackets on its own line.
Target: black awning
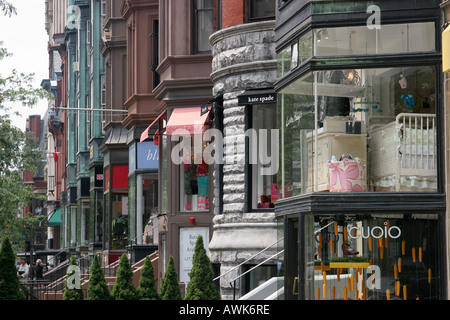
[49, 252]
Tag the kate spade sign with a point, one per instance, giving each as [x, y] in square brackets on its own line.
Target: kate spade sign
[257, 97]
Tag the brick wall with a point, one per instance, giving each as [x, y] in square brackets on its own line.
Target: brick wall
[233, 12]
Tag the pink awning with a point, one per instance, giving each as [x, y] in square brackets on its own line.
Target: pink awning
[187, 119]
[145, 134]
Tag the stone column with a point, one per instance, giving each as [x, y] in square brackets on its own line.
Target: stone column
[243, 58]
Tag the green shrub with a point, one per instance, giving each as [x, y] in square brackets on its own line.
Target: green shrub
[9, 281]
[201, 285]
[97, 288]
[123, 287]
[147, 287]
[73, 293]
[170, 290]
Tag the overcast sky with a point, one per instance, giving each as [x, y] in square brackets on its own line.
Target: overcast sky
[25, 37]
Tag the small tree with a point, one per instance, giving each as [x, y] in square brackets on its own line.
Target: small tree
[170, 290]
[73, 289]
[201, 285]
[123, 288]
[97, 288]
[9, 281]
[147, 287]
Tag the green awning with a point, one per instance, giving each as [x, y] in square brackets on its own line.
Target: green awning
[55, 218]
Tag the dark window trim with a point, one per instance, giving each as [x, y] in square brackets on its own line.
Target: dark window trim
[249, 167]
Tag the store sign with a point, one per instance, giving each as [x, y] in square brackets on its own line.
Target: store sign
[257, 98]
[147, 155]
[375, 232]
[188, 238]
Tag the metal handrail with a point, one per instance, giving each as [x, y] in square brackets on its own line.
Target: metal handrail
[233, 282]
[252, 257]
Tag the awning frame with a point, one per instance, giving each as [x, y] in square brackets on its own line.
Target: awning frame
[145, 134]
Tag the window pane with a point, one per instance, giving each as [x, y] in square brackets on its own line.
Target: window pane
[294, 55]
[194, 177]
[164, 172]
[296, 121]
[369, 130]
[119, 224]
[360, 40]
[205, 24]
[262, 9]
[264, 187]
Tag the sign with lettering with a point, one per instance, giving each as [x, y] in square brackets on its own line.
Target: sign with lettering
[147, 155]
[188, 238]
[257, 97]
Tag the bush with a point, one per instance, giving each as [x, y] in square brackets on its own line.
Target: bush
[147, 287]
[201, 285]
[9, 281]
[170, 290]
[73, 293]
[123, 288]
[97, 288]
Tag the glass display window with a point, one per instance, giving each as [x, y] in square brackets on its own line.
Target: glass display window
[371, 257]
[194, 180]
[119, 222]
[264, 186]
[359, 130]
[195, 183]
[361, 40]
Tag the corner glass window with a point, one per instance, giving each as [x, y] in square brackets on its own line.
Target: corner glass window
[295, 54]
[359, 130]
[371, 257]
[360, 40]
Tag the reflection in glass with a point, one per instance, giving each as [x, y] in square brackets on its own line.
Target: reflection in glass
[372, 257]
[119, 223]
[265, 190]
[194, 177]
[360, 40]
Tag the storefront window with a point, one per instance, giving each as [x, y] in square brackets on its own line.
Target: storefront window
[73, 226]
[150, 203]
[371, 257]
[164, 163]
[296, 123]
[359, 130]
[361, 40]
[84, 209]
[264, 187]
[194, 175]
[98, 222]
[119, 223]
